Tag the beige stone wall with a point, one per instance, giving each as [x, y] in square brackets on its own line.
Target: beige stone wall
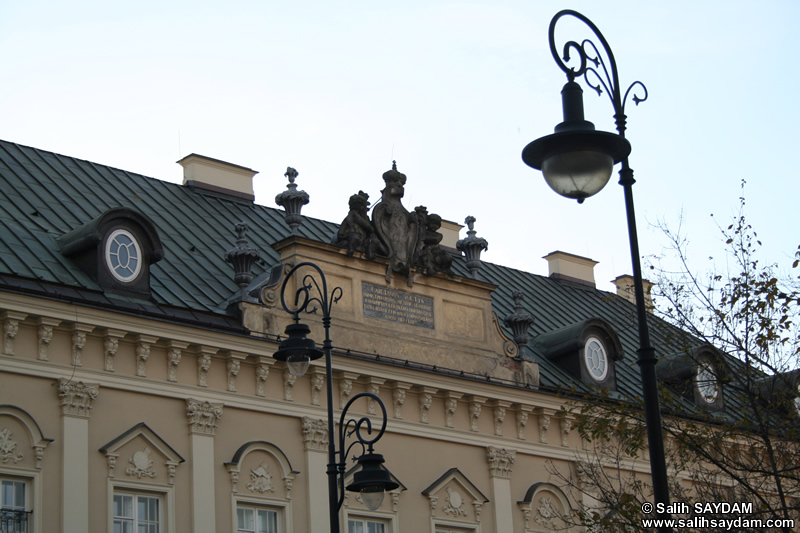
[147, 371]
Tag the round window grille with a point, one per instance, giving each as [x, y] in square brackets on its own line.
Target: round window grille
[707, 382]
[594, 354]
[123, 255]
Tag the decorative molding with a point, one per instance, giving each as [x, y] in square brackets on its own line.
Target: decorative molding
[233, 366]
[44, 335]
[425, 401]
[374, 387]
[142, 464]
[174, 355]
[346, 380]
[450, 406]
[262, 373]
[7, 446]
[456, 485]
[399, 397]
[11, 320]
[317, 375]
[475, 407]
[289, 381]
[79, 332]
[110, 347]
[142, 460]
[566, 426]
[543, 418]
[204, 364]
[315, 434]
[260, 479]
[500, 461]
[522, 413]
[143, 343]
[203, 416]
[77, 397]
[499, 415]
[455, 503]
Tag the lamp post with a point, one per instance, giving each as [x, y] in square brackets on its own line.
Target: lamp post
[577, 162]
[373, 480]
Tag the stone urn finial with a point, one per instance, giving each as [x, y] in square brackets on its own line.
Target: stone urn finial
[472, 247]
[292, 201]
[242, 257]
[519, 321]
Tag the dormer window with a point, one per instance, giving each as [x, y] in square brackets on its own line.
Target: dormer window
[116, 250]
[123, 255]
[586, 350]
[797, 400]
[706, 383]
[594, 355]
[696, 375]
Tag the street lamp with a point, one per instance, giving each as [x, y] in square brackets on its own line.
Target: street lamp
[297, 350]
[577, 162]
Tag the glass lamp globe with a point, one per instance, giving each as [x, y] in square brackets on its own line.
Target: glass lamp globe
[372, 496]
[578, 174]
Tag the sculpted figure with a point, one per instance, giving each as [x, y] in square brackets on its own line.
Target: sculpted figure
[430, 257]
[356, 233]
[395, 226]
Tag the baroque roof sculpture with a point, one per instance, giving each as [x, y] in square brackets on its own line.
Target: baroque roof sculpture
[410, 240]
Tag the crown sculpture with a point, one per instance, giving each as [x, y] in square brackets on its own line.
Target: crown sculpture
[409, 240]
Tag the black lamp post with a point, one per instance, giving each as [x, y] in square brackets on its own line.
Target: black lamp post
[373, 480]
[577, 162]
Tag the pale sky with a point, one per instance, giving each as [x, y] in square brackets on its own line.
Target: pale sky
[452, 90]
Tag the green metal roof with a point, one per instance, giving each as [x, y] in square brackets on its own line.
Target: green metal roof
[44, 195]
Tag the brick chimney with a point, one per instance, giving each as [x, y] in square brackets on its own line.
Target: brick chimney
[571, 267]
[218, 176]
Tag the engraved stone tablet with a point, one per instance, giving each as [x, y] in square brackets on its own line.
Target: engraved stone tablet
[397, 306]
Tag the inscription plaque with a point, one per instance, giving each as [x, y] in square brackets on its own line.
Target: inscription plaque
[397, 306]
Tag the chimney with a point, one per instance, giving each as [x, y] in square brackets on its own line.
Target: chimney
[571, 268]
[449, 232]
[217, 176]
[625, 289]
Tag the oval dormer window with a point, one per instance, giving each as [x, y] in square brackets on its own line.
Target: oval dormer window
[123, 255]
[707, 382]
[797, 400]
[596, 358]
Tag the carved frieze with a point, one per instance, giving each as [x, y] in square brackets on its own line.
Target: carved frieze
[7, 446]
[260, 479]
[289, 381]
[11, 320]
[76, 397]
[317, 383]
[500, 461]
[203, 416]
[475, 407]
[399, 398]
[262, 373]
[315, 434]
[44, 335]
[141, 464]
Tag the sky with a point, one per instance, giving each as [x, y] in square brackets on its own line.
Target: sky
[453, 91]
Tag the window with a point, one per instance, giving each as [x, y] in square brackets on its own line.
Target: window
[14, 516]
[707, 382]
[596, 359]
[359, 525]
[123, 255]
[256, 520]
[137, 513]
[451, 530]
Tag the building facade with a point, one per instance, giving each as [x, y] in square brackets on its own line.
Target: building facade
[138, 391]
